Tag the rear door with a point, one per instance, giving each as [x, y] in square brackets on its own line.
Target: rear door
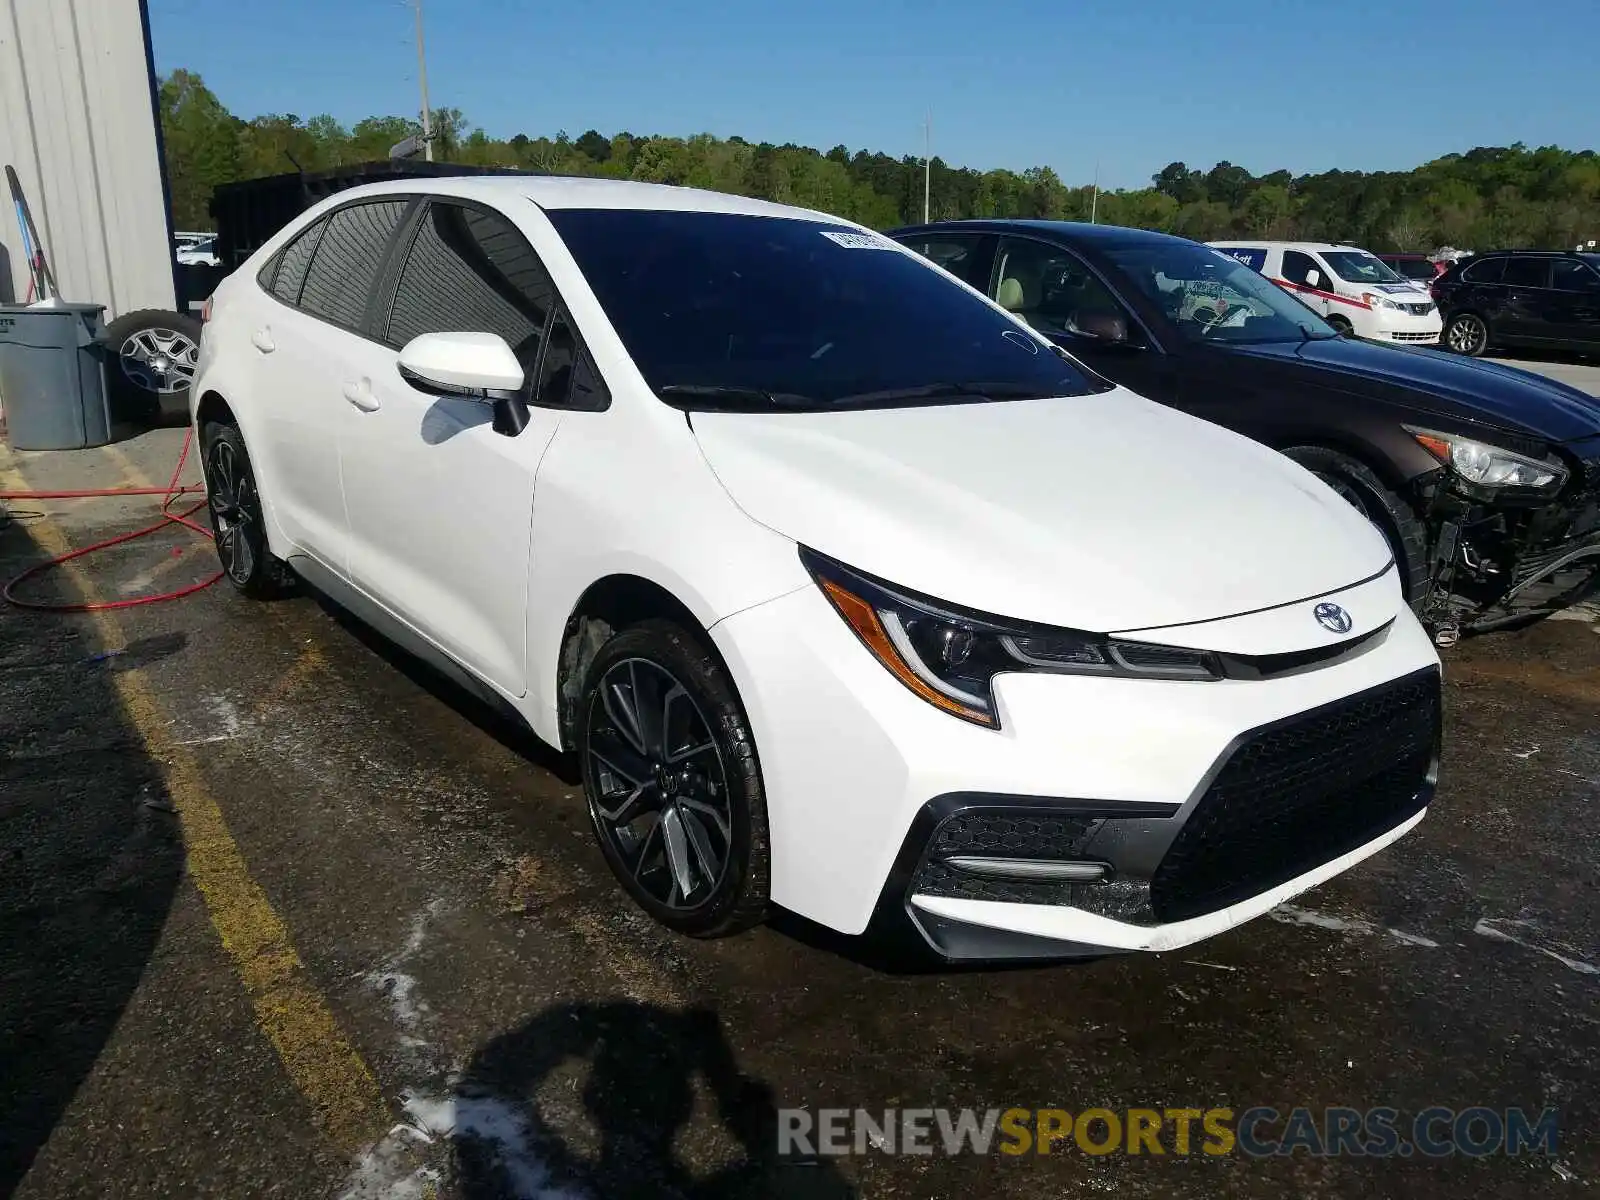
[320, 287]
[1526, 290]
[440, 504]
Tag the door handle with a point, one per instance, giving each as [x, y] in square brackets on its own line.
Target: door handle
[359, 393]
[261, 339]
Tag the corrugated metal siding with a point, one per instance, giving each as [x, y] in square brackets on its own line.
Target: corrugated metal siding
[76, 120]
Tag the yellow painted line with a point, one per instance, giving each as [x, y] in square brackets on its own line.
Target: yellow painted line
[310, 661]
[322, 1062]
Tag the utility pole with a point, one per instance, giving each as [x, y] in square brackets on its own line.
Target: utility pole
[422, 81]
[927, 164]
[1094, 197]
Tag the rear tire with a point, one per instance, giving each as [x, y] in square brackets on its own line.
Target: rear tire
[673, 787]
[1395, 519]
[1466, 333]
[238, 522]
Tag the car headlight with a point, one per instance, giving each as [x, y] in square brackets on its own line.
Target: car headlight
[1490, 466]
[1378, 301]
[950, 656]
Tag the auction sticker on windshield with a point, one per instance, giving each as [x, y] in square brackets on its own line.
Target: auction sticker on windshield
[859, 241]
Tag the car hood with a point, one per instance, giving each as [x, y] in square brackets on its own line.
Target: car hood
[1102, 512]
[1435, 381]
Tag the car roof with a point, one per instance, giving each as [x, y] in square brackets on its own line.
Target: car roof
[562, 191]
[1255, 245]
[1077, 230]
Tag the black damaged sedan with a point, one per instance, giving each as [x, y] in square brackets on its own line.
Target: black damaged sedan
[1485, 479]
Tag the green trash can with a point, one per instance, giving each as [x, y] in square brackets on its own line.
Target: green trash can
[52, 377]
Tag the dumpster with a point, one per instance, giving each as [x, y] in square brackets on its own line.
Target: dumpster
[52, 377]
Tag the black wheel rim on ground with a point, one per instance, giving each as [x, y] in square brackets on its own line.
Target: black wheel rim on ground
[235, 510]
[1466, 335]
[659, 793]
[159, 360]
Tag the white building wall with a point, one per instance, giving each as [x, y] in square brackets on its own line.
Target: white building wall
[77, 121]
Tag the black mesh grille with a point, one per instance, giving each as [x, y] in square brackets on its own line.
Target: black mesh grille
[1296, 795]
[1006, 834]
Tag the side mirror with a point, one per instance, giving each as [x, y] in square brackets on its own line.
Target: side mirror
[1313, 278]
[474, 366]
[470, 366]
[1107, 327]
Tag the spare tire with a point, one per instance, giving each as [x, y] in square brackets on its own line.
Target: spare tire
[152, 355]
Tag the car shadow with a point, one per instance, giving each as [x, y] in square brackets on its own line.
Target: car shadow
[524, 1126]
[500, 722]
[90, 858]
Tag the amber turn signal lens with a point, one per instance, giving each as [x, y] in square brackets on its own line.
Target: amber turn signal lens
[1435, 446]
[862, 618]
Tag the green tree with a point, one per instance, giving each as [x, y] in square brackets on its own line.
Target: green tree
[201, 139]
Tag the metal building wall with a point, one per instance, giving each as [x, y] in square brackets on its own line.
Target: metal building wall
[78, 122]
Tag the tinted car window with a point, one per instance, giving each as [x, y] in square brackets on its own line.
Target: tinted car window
[956, 253]
[1570, 275]
[1050, 288]
[1527, 272]
[345, 263]
[1210, 296]
[1490, 270]
[803, 313]
[471, 271]
[292, 264]
[567, 377]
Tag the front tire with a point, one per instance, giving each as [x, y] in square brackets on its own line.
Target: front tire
[672, 782]
[238, 523]
[1466, 334]
[1395, 519]
[1342, 324]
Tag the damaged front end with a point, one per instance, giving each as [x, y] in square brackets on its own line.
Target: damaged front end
[1513, 530]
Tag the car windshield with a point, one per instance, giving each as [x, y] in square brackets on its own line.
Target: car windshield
[1210, 296]
[726, 310]
[1414, 268]
[1357, 266]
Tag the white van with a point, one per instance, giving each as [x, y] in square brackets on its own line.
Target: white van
[1348, 286]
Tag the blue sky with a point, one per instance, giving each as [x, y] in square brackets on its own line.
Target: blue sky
[1356, 84]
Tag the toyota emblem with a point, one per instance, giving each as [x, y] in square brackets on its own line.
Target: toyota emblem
[1333, 618]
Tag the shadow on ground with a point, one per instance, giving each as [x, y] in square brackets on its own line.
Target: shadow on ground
[90, 857]
[621, 1100]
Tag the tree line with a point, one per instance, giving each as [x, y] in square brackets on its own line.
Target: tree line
[1504, 197]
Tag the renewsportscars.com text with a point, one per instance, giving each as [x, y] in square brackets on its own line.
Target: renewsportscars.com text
[1381, 1132]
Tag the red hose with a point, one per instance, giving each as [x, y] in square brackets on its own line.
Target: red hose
[169, 493]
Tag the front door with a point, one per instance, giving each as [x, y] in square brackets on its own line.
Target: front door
[441, 505]
[1575, 302]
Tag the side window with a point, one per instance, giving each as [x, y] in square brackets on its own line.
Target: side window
[1528, 272]
[1297, 268]
[470, 271]
[956, 253]
[1570, 275]
[293, 260]
[567, 376]
[345, 261]
[1052, 290]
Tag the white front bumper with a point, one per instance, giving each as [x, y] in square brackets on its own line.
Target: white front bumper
[849, 756]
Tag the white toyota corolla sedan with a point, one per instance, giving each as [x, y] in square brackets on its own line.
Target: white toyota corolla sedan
[848, 592]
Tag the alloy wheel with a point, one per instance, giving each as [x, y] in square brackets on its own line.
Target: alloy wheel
[235, 510]
[159, 360]
[660, 795]
[1467, 335]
